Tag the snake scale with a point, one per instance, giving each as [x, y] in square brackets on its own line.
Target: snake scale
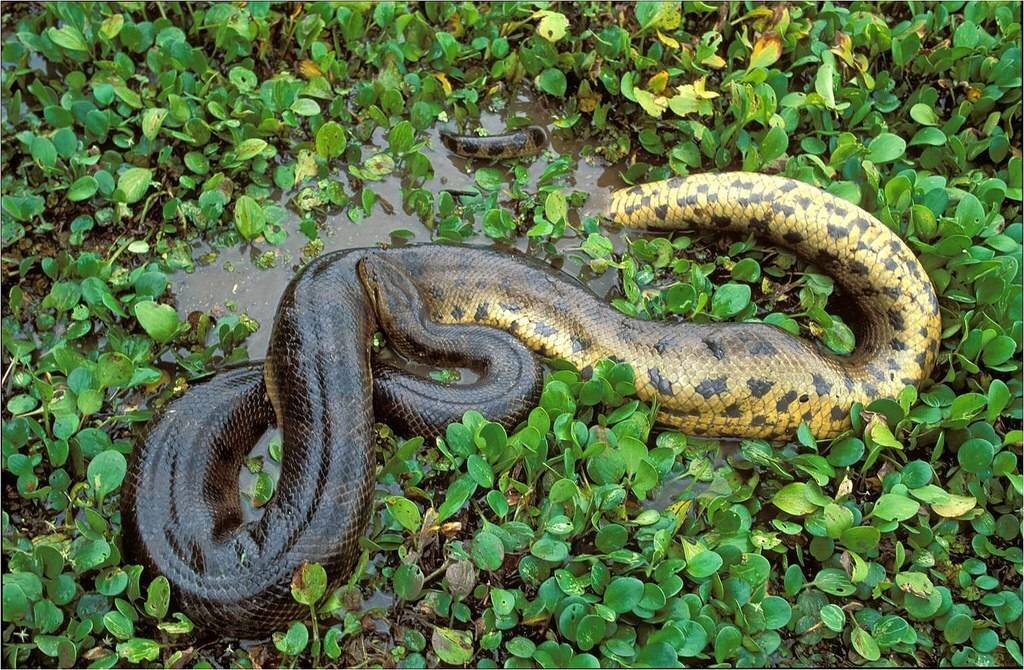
[494, 310]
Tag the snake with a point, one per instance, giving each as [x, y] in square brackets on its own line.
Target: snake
[522, 142]
[321, 386]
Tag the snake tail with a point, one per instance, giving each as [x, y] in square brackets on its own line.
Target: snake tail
[900, 332]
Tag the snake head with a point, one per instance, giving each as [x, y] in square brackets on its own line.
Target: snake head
[391, 292]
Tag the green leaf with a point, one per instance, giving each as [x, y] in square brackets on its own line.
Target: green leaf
[924, 114]
[552, 82]
[138, 649]
[833, 617]
[68, 37]
[330, 140]
[250, 148]
[774, 144]
[454, 647]
[294, 641]
[83, 188]
[106, 472]
[158, 597]
[456, 496]
[824, 86]
[864, 644]
[250, 219]
[886, 148]
[975, 455]
[405, 512]
[623, 594]
[730, 299]
[159, 321]
[792, 500]
[892, 507]
[309, 583]
[114, 369]
[134, 183]
[704, 564]
[152, 120]
[488, 552]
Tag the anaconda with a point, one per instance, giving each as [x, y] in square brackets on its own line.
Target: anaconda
[182, 516]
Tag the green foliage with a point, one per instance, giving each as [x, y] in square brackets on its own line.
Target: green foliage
[581, 538]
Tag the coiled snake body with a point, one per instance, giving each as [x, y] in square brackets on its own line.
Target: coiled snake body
[731, 379]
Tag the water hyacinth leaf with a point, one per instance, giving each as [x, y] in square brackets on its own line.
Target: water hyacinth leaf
[452, 646]
[330, 140]
[404, 511]
[309, 583]
[893, 507]
[133, 183]
[885, 148]
[106, 472]
[552, 82]
[767, 50]
[159, 321]
[250, 218]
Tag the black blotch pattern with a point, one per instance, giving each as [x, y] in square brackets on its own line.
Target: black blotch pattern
[858, 267]
[803, 201]
[663, 385]
[805, 398]
[897, 344]
[510, 307]
[838, 232]
[733, 411]
[662, 345]
[821, 386]
[806, 416]
[758, 347]
[793, 237]
[921, 358]
[703, 188]
[785, 401]
[458, 312]
[891, 292]
[711, 387]
[838, 413]
[786, 210]
[661, 211]
[890, 264]
[721, 221]
[713, 197]
[895, 319]
[759, 387]
[715, 348]
[481, 312]
[788, 186]
[871, 390]
[758, 420]
[579, 344]
[544, 329]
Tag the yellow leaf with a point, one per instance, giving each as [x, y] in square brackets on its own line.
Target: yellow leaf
[957, 506]
[309, 69]
[552, 25]
[652, 104]
[715, 61]
[767, 50]
[445, 84]
[670, 42]
[658, 82]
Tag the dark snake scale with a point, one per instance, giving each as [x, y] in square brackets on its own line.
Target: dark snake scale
[493, 311]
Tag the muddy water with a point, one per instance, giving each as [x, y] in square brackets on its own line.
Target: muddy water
[232, 280]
